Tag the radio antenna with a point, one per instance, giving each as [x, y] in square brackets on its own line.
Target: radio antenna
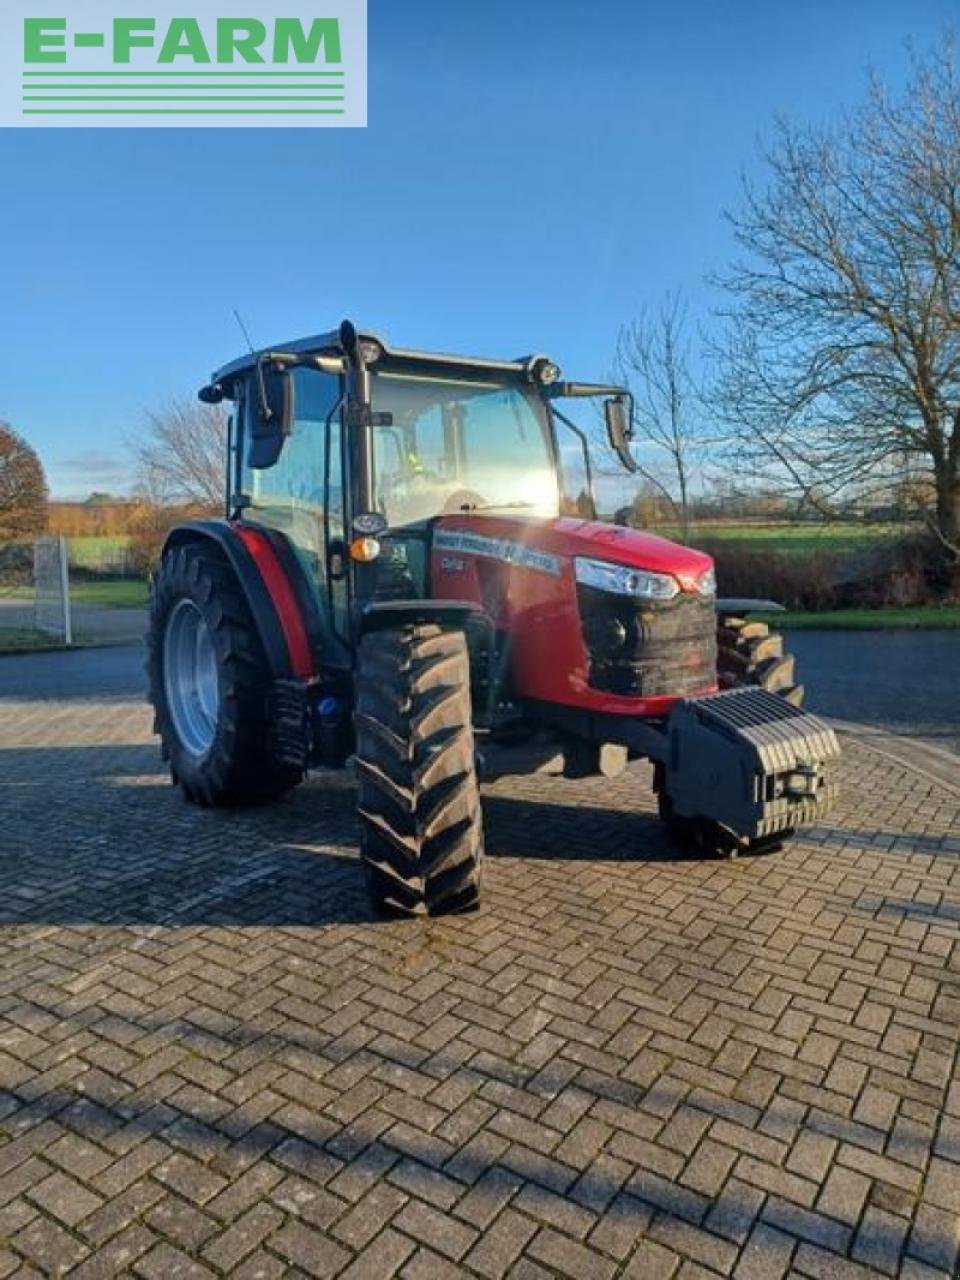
[243, 330]
[265, 410]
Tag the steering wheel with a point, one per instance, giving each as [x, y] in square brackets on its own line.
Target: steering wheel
[460, 501]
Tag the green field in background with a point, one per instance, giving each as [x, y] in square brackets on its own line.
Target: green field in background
[924, 617]
[20, 638]
[793, 539]
[109, 593]
[115, 593]
[89, 552]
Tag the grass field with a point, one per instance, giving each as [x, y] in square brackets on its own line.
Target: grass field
[95, 552]
[17, 639]
[926, 617]
[108, 593]
[793, 539]
[114, 593]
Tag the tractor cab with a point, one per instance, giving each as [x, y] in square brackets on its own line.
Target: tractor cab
[354, 450]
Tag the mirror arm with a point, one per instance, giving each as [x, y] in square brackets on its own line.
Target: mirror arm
[266, 413]
[581, 390]
[627, 458]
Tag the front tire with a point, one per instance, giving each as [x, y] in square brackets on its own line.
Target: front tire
[210, 683]
[749, 653]
[419, 805]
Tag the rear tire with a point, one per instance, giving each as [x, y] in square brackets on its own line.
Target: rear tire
[421, 830]
[749, 653]
[212, 710]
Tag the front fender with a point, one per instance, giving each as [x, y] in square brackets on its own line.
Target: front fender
[453, 614]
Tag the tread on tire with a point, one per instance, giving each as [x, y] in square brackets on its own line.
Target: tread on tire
[749, 653]
[419, 802]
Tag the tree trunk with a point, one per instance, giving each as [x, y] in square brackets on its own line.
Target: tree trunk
[684, 505]
[948, 508]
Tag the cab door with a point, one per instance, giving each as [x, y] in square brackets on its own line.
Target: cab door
[302, 494]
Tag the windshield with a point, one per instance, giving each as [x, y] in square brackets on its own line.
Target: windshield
[460, 446]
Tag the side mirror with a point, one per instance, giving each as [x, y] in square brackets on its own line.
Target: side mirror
[271, 414]
[618, 415]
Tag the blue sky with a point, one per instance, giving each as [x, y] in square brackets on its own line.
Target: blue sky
[532, 174]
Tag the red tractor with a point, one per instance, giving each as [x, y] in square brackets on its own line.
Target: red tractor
[410, 577]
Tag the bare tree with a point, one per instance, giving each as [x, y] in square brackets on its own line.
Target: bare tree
[653, 357]
[182, 458]
[842, 364]
[23, 486]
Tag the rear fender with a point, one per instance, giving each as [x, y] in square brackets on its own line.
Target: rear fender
[274, 585]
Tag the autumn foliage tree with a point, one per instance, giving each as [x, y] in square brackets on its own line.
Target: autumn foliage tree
[23, 487]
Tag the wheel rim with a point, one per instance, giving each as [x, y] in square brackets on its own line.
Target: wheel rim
[190, 679]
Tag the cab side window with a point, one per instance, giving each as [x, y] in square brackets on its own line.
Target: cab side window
[301, 495]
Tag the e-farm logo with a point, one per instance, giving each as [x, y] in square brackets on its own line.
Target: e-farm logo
[108, 62]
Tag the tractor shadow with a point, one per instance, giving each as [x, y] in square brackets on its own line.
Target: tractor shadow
[580, 832]
[95, 834]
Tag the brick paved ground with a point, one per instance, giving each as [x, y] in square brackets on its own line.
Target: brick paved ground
[213, 1060]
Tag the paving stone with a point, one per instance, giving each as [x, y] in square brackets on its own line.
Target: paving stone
[652, 1262]
[259, 1266]
[65, 1199]
[310, 1250]
[49, 1246]
[935, 1236]
[709, 1167]
[843, 1195]
[437, 1230]
[735, 1210]
[427, 1265]
[380, 1259]
[941, 1186]
[243, 1236]
[117, 1256]
[879, 1241]
[811, 1155]
[565, 1257]
[766, 1255]
[805, 1224]
[184, 1225]
[368, 1216]
[500, 1245]
[555, 1211]
[164, 1262]
[488, 1196]
[692, 1242]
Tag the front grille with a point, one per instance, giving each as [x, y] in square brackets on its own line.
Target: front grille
[646, 649]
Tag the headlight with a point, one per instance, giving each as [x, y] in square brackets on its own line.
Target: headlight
[707, 583]
[621, 580]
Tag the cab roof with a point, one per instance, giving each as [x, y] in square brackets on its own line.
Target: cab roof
[396, 358]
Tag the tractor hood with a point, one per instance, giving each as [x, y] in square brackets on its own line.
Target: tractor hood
[633, 547]
[518, 539]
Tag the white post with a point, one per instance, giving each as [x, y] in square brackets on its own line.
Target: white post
[65, 588]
